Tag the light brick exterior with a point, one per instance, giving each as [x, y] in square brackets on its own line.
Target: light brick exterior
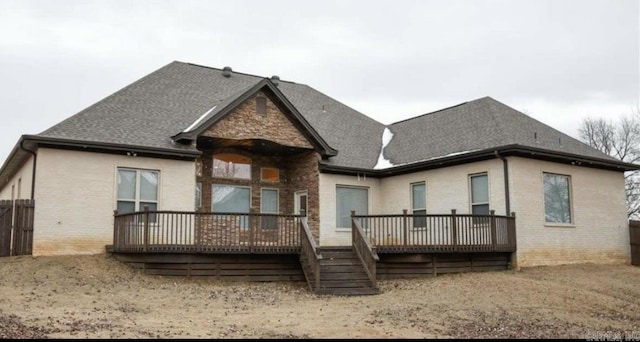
[600, 231]
[329, 234]
[20, 182]
[76, 195]
[244, 123]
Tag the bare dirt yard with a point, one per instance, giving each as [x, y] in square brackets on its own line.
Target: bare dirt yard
[98, 297]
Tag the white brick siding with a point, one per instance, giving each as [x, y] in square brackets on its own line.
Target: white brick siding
[20, 182]
[75, 197]
[600, 231]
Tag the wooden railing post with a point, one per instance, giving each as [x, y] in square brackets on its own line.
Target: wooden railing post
[493, 230]
[353, 230]
[250, 222]
[512, 233]
[116, 234]
[197, 231]
[146, 227]
[454, 229]
[405, 227]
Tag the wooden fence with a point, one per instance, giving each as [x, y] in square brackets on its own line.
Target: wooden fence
[16, 227]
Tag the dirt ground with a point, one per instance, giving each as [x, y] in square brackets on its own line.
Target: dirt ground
[98, 297]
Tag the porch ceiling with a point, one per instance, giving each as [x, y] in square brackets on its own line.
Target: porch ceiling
[257, 146]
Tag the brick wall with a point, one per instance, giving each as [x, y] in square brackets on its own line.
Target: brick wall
[298, 172]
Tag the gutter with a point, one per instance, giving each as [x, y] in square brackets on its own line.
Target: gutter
[33, 171]
[490, 153]
[505, 171]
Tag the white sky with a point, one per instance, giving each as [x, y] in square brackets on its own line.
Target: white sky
[557, 61]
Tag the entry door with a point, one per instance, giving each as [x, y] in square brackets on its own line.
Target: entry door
[300, 203]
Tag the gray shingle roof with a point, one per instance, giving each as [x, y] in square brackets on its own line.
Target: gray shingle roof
[476, 125]
[164, 103]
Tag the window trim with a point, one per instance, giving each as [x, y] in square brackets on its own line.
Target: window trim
[348, 229]
[277, 200]
[213, 158]
[413, 209]
[571, 224]
[137, 200]
[271, 168]
[235, 186]
[471, 203]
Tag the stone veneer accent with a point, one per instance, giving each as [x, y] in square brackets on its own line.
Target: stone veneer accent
[245, 123]
[298, 172]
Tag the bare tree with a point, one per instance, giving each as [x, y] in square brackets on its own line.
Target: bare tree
[619, 139]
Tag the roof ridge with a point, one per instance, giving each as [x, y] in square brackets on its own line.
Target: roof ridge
[434, 112]
[237, 72]
[109, 97]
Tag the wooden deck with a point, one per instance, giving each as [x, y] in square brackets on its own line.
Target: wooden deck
[261, 247]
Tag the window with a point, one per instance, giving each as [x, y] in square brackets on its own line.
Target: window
[19, 187]
[269, 174]
[557, 198]
[269, 205]
[419, 204]
[231, 166]
[198, 195]
[137, 188]
[479, 194]
[231, 199]
[261, 105]
[347, 199]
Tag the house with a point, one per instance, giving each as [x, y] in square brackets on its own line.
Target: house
[188, 137]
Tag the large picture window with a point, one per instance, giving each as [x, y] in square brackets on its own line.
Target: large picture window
[347, 199]
[137, 188]
[479, 194]
[557, 198]
[231, 166]
[419, 204]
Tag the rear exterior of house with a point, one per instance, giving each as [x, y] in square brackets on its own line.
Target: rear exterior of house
[264, 154]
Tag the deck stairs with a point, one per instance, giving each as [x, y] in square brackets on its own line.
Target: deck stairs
[341, 273]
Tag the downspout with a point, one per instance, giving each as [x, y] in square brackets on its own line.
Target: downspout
[33, 172]
[505, 165]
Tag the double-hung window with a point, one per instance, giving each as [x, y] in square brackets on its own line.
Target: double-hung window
[136, 189]
[419, 204]
[479, 194]
[557, 198]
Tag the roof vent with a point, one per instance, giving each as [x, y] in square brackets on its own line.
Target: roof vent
[226, 71]
[275, 79]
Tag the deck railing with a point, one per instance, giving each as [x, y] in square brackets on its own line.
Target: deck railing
[440, 233]
[309, 250]
[182, 231]
[363, 248]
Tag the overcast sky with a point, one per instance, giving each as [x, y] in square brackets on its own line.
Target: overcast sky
[557, 61]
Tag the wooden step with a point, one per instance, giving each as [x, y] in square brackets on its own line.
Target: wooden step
[359, 291]
[341, 268]
[326, 284]
[338, 261]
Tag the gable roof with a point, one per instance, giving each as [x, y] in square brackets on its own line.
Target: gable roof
[223, 108]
